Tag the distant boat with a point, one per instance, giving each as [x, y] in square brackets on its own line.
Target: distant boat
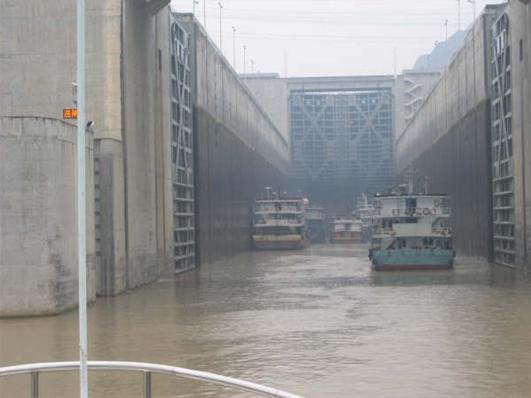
[316, 222]
[345, 230]
[364, 212]
[411, 231]
[279, 224]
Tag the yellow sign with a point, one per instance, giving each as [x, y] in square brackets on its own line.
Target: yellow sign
[70, 113]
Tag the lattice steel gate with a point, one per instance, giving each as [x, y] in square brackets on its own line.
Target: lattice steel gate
[502, 145]
[343, 135]
[182, 149]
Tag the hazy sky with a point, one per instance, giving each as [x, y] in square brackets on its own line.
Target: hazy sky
[331, 37]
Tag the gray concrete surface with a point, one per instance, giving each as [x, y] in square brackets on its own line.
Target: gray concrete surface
[411, 90]
[272, 94]
[128, 99]
[449, 139]
[220, 92]
[519, 14]
[38, 60]
[138, 74]
[239, 150]
[38, 243]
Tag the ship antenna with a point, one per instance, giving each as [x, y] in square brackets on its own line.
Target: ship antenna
[410, 181]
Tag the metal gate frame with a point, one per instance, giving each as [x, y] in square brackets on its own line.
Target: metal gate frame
[346, 134]
[182, 143]
[503, 238]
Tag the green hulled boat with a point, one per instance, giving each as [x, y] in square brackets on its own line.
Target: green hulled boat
[411, 232]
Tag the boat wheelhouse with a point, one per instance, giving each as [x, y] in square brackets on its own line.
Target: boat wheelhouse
[345, 230]
[279, 224]
[365, 212]
[412, 231]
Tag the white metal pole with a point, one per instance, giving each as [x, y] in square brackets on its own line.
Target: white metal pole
[285, 63]
[395, 63]
[81, 201]
[244, 60]
[234, 47]
[473, 2]
[204, 14]
[220, 27]
[458, 15]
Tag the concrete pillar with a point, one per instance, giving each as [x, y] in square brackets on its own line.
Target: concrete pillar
[38, 244]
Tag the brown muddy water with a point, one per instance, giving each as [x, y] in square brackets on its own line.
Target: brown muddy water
[318, 323]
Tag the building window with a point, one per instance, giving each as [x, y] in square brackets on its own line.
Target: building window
[521, 45]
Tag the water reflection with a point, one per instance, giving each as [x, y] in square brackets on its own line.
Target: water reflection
[318, 322]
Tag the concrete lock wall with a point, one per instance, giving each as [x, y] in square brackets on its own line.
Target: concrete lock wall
[142, 256]
[38, 240]
[272, 94]
[519, 14]
[449, 139]
[239, 151]
[135, 233]
[38, 67]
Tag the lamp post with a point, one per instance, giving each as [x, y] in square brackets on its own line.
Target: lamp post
[473, 2]
[234, 47]
[244, 59]
[220, 27]
[458, 15]
[204, 14]
[81, 201]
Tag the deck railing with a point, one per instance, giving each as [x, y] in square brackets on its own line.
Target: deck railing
[147, 369]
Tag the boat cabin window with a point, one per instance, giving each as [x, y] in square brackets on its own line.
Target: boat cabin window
[411, 205]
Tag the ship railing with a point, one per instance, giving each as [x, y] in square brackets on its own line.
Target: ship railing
[417, 212]
[278, 222]
[146, 369]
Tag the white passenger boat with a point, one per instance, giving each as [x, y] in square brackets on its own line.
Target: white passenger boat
[279, 223]
[345, 230]
[411, 231]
